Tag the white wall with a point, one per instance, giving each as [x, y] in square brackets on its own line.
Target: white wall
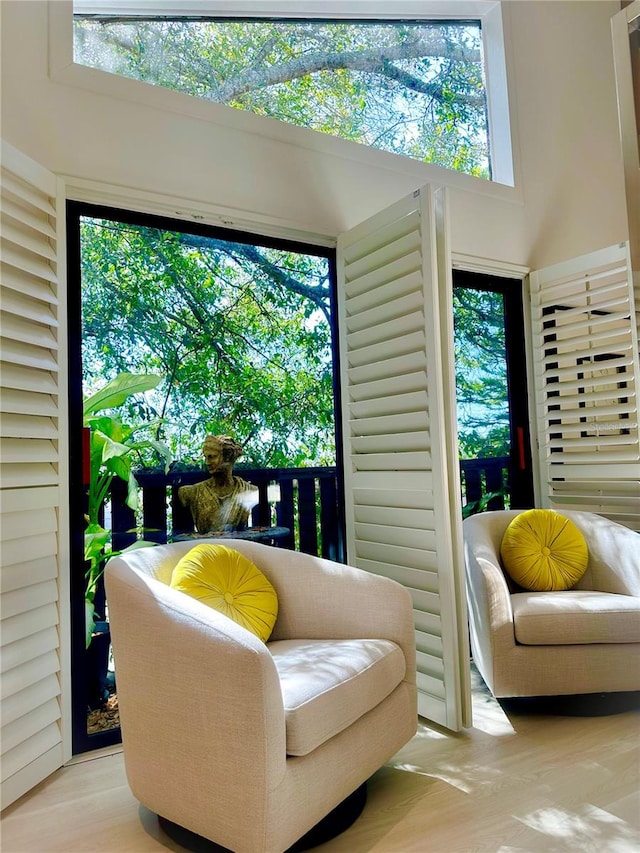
[569, 197]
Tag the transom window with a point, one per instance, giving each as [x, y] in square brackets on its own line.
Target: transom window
[412, 87]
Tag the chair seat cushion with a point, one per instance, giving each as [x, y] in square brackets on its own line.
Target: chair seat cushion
[329, 684]
[575, 617]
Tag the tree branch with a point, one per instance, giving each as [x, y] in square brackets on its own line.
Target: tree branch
[377, 60]
[319, 297]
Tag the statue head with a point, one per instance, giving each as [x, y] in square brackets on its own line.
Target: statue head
[220, 451]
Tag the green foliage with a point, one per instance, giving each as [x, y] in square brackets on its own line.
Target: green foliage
[481, 505]
[411, 88]
[481, 375]
[113, 450]
[241, 335]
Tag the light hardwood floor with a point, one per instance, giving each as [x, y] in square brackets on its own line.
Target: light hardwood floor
[520, 780]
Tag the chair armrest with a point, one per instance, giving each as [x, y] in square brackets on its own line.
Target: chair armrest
[487, 588]
[194, 688]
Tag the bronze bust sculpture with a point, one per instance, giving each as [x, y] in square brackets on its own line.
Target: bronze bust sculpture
[224, 501]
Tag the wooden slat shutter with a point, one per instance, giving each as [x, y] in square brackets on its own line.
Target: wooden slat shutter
[585, 346]
[400, 481]
[30, 477]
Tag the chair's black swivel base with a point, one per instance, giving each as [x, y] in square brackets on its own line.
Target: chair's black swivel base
[341, 818]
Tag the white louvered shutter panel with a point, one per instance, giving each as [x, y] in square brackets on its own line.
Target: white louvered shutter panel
[398, 474]
[31, 738]
[585, 345]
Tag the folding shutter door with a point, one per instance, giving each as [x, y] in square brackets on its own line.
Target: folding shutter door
[585, 344]
[29, 435]
[400, 481]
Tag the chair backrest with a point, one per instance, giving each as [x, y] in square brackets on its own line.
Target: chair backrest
[614, 550]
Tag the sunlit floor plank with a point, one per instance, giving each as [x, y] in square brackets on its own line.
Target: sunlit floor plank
[517, 782]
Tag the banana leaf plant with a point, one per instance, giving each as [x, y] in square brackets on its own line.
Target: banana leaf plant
[114, 448]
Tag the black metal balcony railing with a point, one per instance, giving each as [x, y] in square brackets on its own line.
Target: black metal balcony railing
[485, 484]
[307, 503]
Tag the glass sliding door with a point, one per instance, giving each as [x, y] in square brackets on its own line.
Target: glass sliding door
[205, 332]
[491, 392]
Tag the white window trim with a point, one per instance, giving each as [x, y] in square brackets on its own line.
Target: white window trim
[63, 70]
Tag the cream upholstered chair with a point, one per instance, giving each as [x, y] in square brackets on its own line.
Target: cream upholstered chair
[582, 640]
[246, 744]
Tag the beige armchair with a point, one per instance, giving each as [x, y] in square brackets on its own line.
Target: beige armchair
[582, 640]
[246, 744]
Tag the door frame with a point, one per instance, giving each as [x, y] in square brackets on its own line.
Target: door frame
[81, 741]
[521, 471]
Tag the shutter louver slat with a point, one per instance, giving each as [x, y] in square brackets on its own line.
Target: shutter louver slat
[33, 190]
[12, 708]
[405, 537]
[391, 281]
[16, 280]
[430, 686]
[15, 628]
[27, 573]
[22, 549]
[383, 387]
[29, 750]
[28, 598]
[25, 307]
[28, 649]
[575, 400]
[399, 424]
[587, 372]
[28, 426]
[390, 309]
[23, 240]
[31, 672]
[18, 329]
[398, 520]
[429, 644]
[32, 265]
[395, 367]
[403, 499]
[13, 523]
[406, 576]
[397, 516]
[25, 403]
[18, 376]
[29, 475]
[395, 404]
[389, 442]
[588, 353]
[404, 325]
[29, 450]
[366, 252]
[34, 219]
[565, 375]
[26, 355]
[403, 344]
[29, 725]
[399, 461]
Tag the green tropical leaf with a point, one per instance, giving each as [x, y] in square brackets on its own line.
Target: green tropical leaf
[118, 391]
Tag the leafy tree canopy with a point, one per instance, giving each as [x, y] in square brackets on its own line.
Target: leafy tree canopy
[242, 335]
[481, 374]
[411, 88]
[240, 332]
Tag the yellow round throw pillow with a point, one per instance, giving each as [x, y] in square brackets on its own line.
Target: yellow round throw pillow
[543, 550]
[229, 582]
